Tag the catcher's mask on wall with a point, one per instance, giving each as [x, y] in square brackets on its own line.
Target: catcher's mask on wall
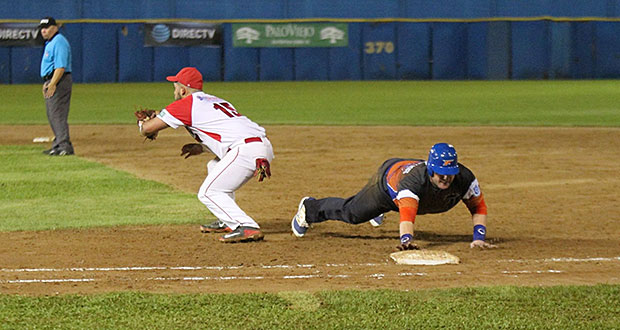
[442, 159]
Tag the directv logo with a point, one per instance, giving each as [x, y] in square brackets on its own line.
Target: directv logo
[160, 33]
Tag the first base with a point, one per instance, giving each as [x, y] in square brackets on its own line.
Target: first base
[424, 257]
[41, 139]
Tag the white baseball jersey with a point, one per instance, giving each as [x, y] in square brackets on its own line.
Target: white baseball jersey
[212, 121]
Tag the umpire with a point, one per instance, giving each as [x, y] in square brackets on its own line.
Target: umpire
[56, 74]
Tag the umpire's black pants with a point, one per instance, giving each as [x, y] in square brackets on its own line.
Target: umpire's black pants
[370, 202]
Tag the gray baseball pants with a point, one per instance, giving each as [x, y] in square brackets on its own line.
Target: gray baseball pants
[58, 112]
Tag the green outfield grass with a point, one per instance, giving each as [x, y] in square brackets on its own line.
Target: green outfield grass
[596, 307]
[41, 192]
[529, 103]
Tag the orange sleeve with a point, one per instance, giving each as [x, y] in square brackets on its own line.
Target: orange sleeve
[408, 208]
[476, 205]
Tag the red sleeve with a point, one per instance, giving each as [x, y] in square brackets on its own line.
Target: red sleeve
[408, 208]
[476, 205]
[182, 110]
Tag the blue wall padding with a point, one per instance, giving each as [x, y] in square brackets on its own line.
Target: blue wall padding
[530, 50]
[345, 62]
[560, 50]
[449, 51]
[477, 65]
[608, 48]
[240, 64]
[583, 50]
[447, 8]
[413, 51]
[276, 64]
[135, 62]
[5, 65]
[560, 8]
[99, 47]
[498, 50]
[35, 9]
[311, 63]
[422, 50]
[380, 64]
[217, 9]
[73, 33]
[167, 61]
[26, 65]
[208, 60]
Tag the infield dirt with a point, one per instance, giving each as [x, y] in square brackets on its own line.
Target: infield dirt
[552, 193]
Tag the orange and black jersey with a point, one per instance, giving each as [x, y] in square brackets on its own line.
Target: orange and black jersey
[411, 190]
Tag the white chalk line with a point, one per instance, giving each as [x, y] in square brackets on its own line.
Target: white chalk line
[53, 280]
[303, 266]
[192, 268]
[562, 260]
[551, 271]
[212, 278]
[134, 268]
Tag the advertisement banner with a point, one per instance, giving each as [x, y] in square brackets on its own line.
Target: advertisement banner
[182, 34]
[20, 34]
[290, 35]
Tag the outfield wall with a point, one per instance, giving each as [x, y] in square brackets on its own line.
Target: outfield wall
[491, 39]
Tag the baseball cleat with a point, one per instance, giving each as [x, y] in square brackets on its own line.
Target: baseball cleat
[377, 221]
[299, 223]
[243, 234]
[217, 226]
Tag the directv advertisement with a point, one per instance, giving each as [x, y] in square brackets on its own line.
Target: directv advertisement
[20, 34]
[182, 34]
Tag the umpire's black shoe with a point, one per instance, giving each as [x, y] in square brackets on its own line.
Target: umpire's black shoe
[60, 152]
[48, 151]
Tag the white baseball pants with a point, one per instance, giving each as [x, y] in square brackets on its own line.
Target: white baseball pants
[227, 175]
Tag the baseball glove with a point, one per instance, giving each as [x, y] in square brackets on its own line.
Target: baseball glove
[192, 149]
[263, 169]
[143, 115]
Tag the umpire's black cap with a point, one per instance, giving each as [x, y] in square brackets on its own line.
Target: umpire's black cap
[47, 22]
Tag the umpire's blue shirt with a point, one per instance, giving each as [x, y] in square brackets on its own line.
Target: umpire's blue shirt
[57, 54]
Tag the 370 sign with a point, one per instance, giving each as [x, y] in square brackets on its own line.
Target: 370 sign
[378, 47]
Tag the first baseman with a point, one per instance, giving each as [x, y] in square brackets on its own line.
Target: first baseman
[409, 186]
[241, 147]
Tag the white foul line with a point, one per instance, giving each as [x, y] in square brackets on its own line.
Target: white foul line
[562, 260]
[226, 278]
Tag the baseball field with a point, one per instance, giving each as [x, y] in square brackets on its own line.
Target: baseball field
[109, 238]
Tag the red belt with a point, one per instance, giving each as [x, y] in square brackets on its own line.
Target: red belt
[250, 140]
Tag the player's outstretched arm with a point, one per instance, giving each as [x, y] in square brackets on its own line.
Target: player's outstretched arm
[480, 231]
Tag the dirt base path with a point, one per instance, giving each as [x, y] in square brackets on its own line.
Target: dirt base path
[552, 195]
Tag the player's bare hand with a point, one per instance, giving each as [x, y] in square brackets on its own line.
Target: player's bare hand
[482, 245]
[192, 149]
[407, 246]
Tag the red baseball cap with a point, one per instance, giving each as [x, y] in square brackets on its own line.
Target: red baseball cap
[189, 77]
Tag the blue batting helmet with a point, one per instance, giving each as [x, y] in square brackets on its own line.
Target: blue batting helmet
[442, 159]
